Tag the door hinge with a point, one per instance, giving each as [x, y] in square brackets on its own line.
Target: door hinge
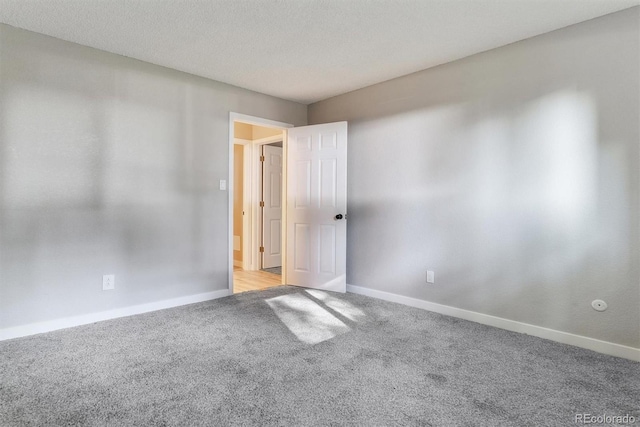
[261, 249]
[262, 158]
[262, 204]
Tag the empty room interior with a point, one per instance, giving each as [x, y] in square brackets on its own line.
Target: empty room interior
[319, 212]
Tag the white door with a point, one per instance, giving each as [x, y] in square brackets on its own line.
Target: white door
[317, 206]
[272, 211]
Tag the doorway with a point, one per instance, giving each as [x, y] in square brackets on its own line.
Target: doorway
[313, 223]
[257, 196]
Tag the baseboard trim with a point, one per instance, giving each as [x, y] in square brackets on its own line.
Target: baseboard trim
[69, 322]
[237, 263]
[510, 325]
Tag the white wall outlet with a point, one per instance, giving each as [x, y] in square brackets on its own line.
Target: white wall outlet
[223, 184]
[108, 282]
[431, 278]
[599, 305]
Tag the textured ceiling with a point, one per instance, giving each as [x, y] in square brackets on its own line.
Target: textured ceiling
[302, 50]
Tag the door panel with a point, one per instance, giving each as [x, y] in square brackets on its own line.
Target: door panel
[316, 193]
[302, 256]
[302, 184]
[272, 212]
[327, 261]
[328, 185]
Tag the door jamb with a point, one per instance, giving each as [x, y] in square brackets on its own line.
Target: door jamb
[258, 121]
[246, 199]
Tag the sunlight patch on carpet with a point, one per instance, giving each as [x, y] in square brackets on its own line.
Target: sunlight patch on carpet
[307, 320]
[343, 307]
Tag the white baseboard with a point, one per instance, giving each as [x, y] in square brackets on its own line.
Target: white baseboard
[69, 322]
[510, 325]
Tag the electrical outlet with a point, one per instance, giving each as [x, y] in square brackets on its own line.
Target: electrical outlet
[108, 282]
[431, 277]
[599, 305]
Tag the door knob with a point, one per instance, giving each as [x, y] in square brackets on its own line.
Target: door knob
[338, 217]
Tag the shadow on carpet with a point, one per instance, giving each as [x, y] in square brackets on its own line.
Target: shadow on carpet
[289, 356]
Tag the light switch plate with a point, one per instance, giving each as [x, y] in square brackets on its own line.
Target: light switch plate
[430, 277]
[223, 184]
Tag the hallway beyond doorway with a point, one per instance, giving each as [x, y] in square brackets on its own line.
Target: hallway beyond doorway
[244, 281]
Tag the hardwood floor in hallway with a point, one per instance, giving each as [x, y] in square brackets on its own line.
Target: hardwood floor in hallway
[253, 280]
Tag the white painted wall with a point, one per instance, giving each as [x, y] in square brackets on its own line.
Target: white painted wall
[514, 174]
[110, 165]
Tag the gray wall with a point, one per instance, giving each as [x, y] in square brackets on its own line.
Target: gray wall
[109, 165]
[513, 174]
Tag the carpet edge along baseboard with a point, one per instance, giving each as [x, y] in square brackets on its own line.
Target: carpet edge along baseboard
[84, 319]
[593, 344]
[588, 343]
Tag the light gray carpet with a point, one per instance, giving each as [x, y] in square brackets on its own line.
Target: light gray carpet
[342, 360]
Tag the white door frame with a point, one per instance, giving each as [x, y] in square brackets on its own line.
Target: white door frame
[256, 197]
[252, 198]
[246, 197]
[258, 121]
[252, 186]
